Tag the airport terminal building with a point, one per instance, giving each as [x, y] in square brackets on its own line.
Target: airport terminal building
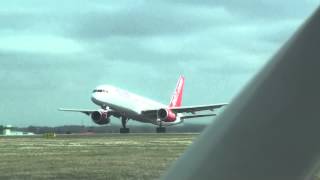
[8, 131]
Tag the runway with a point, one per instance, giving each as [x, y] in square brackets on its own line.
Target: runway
[94, 156]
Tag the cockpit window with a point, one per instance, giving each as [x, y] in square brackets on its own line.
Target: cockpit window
[100, 90]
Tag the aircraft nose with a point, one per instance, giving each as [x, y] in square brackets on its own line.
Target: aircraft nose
[94, 97]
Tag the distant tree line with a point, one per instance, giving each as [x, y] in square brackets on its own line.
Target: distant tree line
[70, 129]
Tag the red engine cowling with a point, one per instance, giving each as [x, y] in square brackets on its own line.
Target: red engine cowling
[100, 117]
[166, 115]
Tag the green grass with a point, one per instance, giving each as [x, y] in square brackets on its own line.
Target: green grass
[108, 156]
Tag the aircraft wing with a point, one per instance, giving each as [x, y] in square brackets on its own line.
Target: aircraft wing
[152, 113]
[193, 109]
[85, 111]
[196, 116]
[89, 111]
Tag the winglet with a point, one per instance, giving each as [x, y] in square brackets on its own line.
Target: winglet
[176, 99]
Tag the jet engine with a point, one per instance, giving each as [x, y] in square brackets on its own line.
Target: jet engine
[166, 115]
[100, 117]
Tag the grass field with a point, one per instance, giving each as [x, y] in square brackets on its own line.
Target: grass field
[108, 156]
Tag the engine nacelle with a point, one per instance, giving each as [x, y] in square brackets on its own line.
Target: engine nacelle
[166, 115]
[100, 117]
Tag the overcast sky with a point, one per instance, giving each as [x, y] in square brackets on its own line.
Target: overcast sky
[53, 53]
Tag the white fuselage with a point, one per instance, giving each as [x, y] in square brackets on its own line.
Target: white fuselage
[127, 104]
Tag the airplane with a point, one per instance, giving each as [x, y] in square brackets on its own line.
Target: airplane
[122, 104]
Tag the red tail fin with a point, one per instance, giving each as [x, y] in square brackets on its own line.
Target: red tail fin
[176, 99]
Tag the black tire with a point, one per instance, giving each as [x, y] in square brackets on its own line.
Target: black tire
[124, 130]
[161, 129]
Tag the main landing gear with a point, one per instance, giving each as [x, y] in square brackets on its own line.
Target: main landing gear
[161, 129]
[124, 129]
